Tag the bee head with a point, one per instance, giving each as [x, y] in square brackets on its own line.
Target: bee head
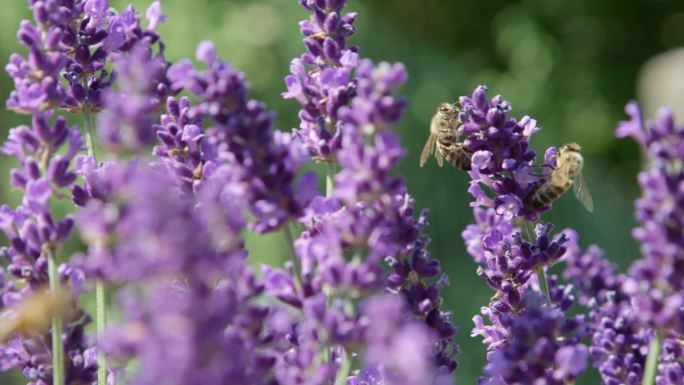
[571, 147]
[445, 108]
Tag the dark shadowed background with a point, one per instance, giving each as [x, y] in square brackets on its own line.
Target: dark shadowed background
[572, 65]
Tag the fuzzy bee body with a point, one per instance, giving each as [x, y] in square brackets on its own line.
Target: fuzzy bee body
[443, 139]
[567, 173]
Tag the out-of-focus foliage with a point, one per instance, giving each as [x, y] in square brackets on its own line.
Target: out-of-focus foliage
[570, 64]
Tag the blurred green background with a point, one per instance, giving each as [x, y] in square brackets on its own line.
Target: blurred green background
[570, 64]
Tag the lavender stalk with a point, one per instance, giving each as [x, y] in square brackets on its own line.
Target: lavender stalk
[100, 290]
[101, 325]
[329, 179]
[521, 318]
[652, 360]
[57, 328]
[655, 282]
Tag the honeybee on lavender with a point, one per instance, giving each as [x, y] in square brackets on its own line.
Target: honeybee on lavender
[443, 139]
[568, 172]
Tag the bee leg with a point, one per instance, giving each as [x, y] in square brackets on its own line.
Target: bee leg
[538, 174]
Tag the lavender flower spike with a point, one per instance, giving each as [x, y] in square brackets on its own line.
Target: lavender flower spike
[130, 112]
[191, 264]
[656, 281]
[321, 79]
[618, 342]
[527, 342]
[243, 135]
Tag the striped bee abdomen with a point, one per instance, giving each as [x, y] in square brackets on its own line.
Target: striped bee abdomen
[455, 153]
[547, 193]
[460, 158]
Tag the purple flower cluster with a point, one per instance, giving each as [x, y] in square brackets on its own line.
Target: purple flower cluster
[657, 280]
[45, 151]
[196, 283]
[528, 342]
[364, 225]
[183, 150]
[34, 356]
[68, 45]
[502, 161]
[542, 347]
[130, 112]
[509, 263]
[71, 40]
[360, 302]
[398, 349]
[321, 79]
[243, 137]
[618, 343]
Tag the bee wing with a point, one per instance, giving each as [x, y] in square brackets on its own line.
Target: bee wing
[428, 149]
[579, 187]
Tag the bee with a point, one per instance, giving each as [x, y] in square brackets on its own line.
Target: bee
[568, 172]
[443, 139]
[33, 316]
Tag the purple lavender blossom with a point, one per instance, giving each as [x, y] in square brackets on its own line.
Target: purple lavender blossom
[321, 79]
[149, 241]
[130, 112]
[527, 342]
[618, 343]
[71, 41]
[670, 365]
[34, 355]
[202, 287]
[508, 263]
[656, 281]
[399, 347]
[502, 160]
[79, 37]
[183, 148]
[368, 216]
[542, 346]
[34, 230]
[41, 175]
[243, 136]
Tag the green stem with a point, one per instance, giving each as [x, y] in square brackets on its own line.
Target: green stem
[100, 291]
[88, 132]
[101, 310]
[329, 185]
[329, 179]
[343, 370]
[543, 285]
[57, 327]
[289, 239]
[652, 360]
[541, 274]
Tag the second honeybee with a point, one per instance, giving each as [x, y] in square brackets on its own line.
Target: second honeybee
[443, 139]
[567, 173]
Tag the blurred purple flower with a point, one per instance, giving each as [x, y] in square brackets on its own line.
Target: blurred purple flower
[129, 114]
[243, 136]
[656, 282]
[542, 346]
